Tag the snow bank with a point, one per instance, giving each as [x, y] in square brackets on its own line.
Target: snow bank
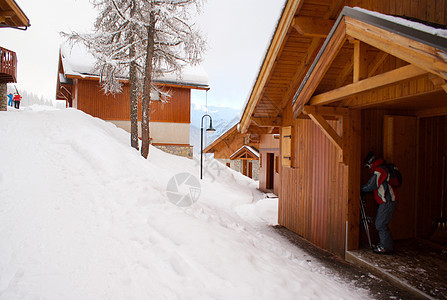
[84, 216]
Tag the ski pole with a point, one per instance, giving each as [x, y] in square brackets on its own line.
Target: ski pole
[364, 219]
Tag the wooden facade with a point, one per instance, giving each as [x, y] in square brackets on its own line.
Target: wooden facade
[116, 107]
[12, 16]
[340, 87]
[170, 106]
[237, 151]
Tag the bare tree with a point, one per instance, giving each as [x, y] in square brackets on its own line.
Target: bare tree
[140, 40]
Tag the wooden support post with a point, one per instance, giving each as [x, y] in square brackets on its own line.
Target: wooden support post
[360, 61]
[352, 143]
[327, 130]
[396, 75]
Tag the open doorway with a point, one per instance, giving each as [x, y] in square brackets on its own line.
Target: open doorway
[270, 171]
[417, 146]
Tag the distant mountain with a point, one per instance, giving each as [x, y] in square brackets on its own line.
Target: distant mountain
[223, 119]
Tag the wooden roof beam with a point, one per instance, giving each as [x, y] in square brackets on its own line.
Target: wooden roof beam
[312, 27]
[325, 110]
[301, 69]
[431, 112]
[321, 67]
[7, 13]
[12, 10]
[400, 74]
[438, 81]
[360, 61]
[377, 62]
[343, 75]
[327, 130]
[267, 122]
[412, 51]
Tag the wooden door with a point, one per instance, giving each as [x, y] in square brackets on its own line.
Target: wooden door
[244, 167]
[399, 147]
[270, 171]
[250, 169]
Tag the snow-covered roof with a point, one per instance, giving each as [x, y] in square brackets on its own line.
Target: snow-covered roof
[78, 61]
[405, 22]
[243, 148]
[428, 35]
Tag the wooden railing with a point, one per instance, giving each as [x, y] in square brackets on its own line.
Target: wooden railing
[8, 66]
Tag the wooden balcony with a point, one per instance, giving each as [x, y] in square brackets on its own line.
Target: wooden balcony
[8, 66]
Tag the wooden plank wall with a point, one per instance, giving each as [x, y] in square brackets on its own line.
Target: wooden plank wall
[312, 192]
[177, 109]
[91, 100]
[432, 147]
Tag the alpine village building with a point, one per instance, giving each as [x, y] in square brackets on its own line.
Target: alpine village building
[78, 85]
[234, 150]
[12, 17]
[340, 79]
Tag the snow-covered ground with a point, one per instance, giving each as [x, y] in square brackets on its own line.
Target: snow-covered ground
[84, 216]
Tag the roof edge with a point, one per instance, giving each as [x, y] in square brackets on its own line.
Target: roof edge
[403, 30]
[283, 25]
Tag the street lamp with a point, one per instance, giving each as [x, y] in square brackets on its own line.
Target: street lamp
[209, 130]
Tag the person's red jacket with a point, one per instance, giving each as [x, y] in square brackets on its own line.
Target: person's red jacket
[17, 98]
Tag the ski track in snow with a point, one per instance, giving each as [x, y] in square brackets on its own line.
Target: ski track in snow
[84, 216]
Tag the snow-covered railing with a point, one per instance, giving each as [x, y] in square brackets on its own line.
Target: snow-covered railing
[8, 66]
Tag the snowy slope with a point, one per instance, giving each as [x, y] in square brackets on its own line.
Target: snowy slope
[83, 216]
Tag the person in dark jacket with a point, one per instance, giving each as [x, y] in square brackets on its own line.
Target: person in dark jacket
[385, 197]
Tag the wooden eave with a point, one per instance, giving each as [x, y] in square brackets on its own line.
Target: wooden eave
[245, 153]
[11, 15]
[211, 147]
[418, 72]
[420, 58]
[299, 35]
[282, 29]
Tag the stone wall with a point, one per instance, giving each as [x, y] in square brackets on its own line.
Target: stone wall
[3, 96]
[237, 166]
[185, 151]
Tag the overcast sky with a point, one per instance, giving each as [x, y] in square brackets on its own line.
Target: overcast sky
[238, 33]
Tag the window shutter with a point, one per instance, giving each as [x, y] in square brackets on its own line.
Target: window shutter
[286, 146]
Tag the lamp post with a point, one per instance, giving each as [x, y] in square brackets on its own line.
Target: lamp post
[210, 130]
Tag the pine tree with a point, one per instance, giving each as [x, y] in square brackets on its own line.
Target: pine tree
[140, 40]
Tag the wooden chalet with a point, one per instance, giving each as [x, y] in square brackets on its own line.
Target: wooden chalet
[78, 85]
[337, 82]
[11, 16]
[234, 150]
